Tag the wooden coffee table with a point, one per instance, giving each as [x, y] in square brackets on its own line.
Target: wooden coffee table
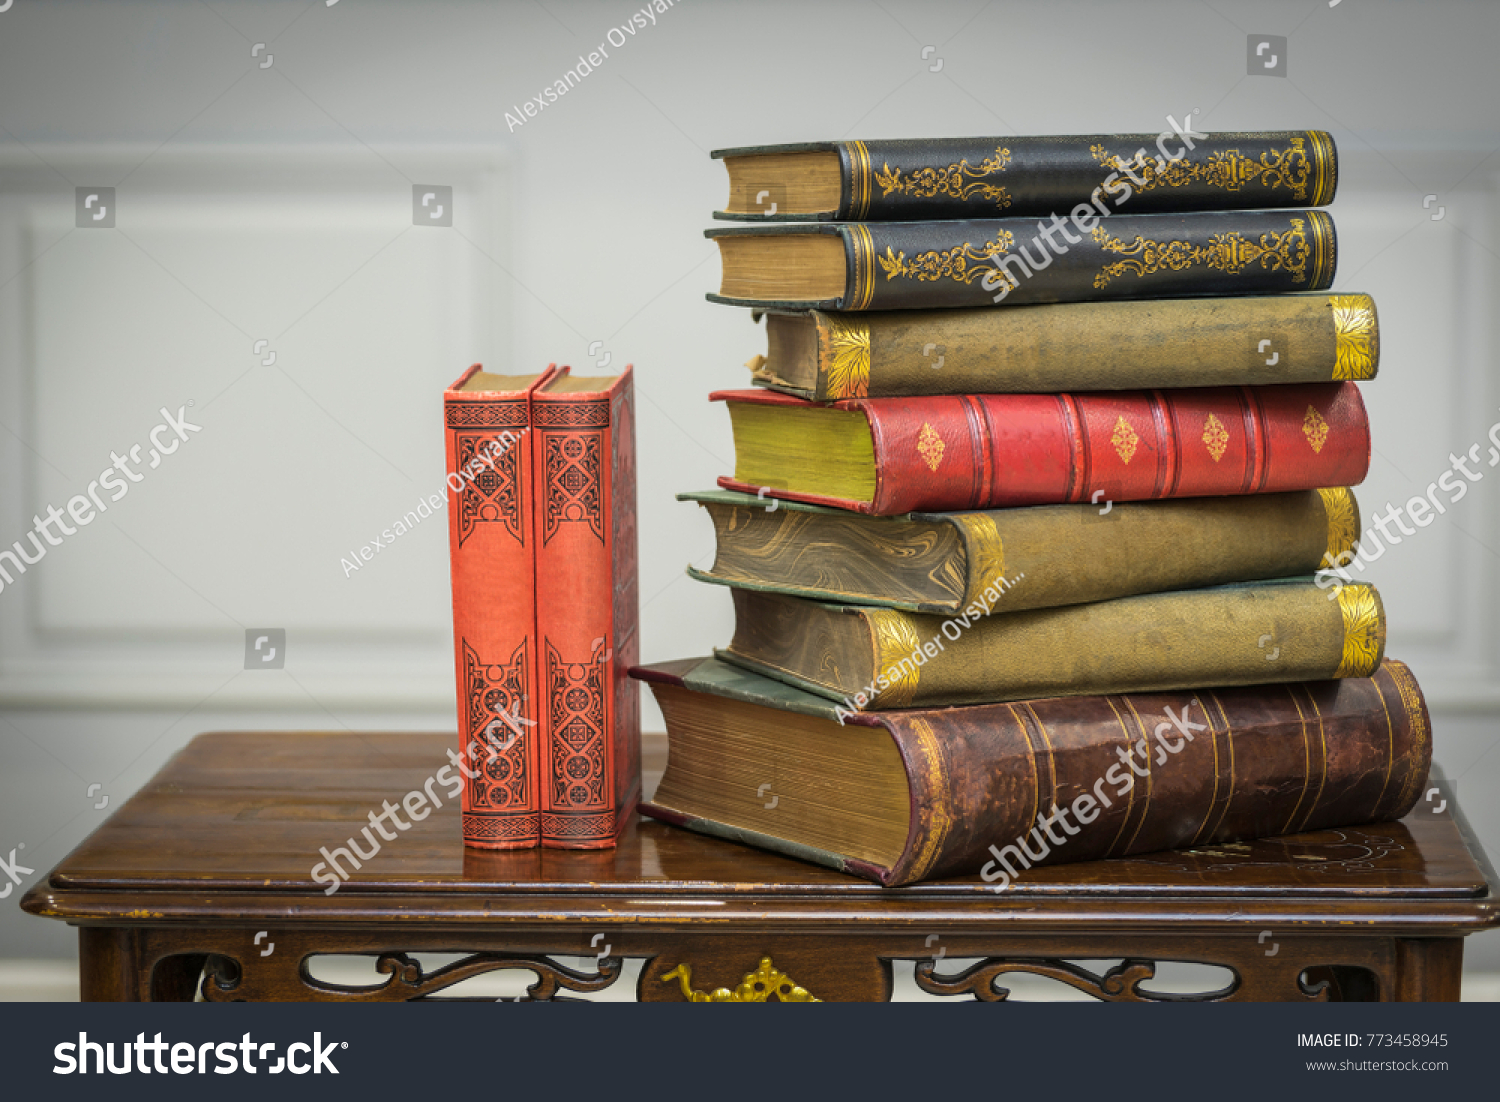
[170, 894]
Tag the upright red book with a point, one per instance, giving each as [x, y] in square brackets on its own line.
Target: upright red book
[491, 541]
[890, 456]
[583, 436]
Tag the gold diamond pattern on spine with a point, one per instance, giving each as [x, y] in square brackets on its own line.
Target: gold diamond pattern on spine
[1315, 429]
[896, 642]
[1364, 631]
[930, 446]
[1343, 525]
[1125, 440]
[1215, 437]
[847, 361]
[1356, 336]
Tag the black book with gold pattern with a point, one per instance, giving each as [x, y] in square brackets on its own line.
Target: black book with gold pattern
[932, 178]
[943, 264]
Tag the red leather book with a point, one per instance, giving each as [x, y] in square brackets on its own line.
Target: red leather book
[583, 436]
[982, 451]
[491, 544]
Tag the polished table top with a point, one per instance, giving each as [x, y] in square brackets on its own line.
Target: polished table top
[232, 828]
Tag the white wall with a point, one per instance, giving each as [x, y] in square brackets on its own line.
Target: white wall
[275, 203]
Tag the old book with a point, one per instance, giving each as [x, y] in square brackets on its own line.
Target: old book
[890, 456]
[1119, 345]
[1068, 554]
[1250, 633]
[491, 544]
[940, 265]
[587, 607]
[932, 178]
[992, 790]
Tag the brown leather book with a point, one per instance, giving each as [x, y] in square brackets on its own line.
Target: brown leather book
[992, 790]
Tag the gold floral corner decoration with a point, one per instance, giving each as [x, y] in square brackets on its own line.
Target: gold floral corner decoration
[1355, 336]
[1364, 631]
[1215, 437]
[1315, 429]
[1343, 525]
[1124, 440]
[849, 364]
[756, 987]
[930, 446]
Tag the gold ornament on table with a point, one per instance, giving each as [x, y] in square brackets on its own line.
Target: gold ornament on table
[1215, 437]
[1315, 429]
[1124, 440]
[756, 987]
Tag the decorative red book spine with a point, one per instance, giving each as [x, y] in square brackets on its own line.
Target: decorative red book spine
[587, 609]
[984, 451]
[491, 543]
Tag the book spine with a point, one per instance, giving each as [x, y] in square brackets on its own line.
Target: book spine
[1001, 789]
[990, 451]
[941, 265]
[587, 612]
[925, 179]
[491, 543]
[1097, 346]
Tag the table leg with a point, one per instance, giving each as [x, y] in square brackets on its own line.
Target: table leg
[1429, 969]
[111, 965]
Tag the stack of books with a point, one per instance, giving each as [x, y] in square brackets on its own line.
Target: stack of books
[1045, 456]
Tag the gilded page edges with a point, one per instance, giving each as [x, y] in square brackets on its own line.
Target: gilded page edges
[1364, 630]
[895, 643]
[843, 357]
[933, 771]
[1356, 336]
[1342, 512]
[984, 551]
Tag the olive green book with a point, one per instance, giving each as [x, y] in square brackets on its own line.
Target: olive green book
[1069, 346]
[1067, 554]
[1254, 633]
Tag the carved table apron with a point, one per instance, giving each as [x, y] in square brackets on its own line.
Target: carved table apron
[182, 889]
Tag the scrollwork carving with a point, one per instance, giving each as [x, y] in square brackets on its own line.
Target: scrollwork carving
[1121, 983]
